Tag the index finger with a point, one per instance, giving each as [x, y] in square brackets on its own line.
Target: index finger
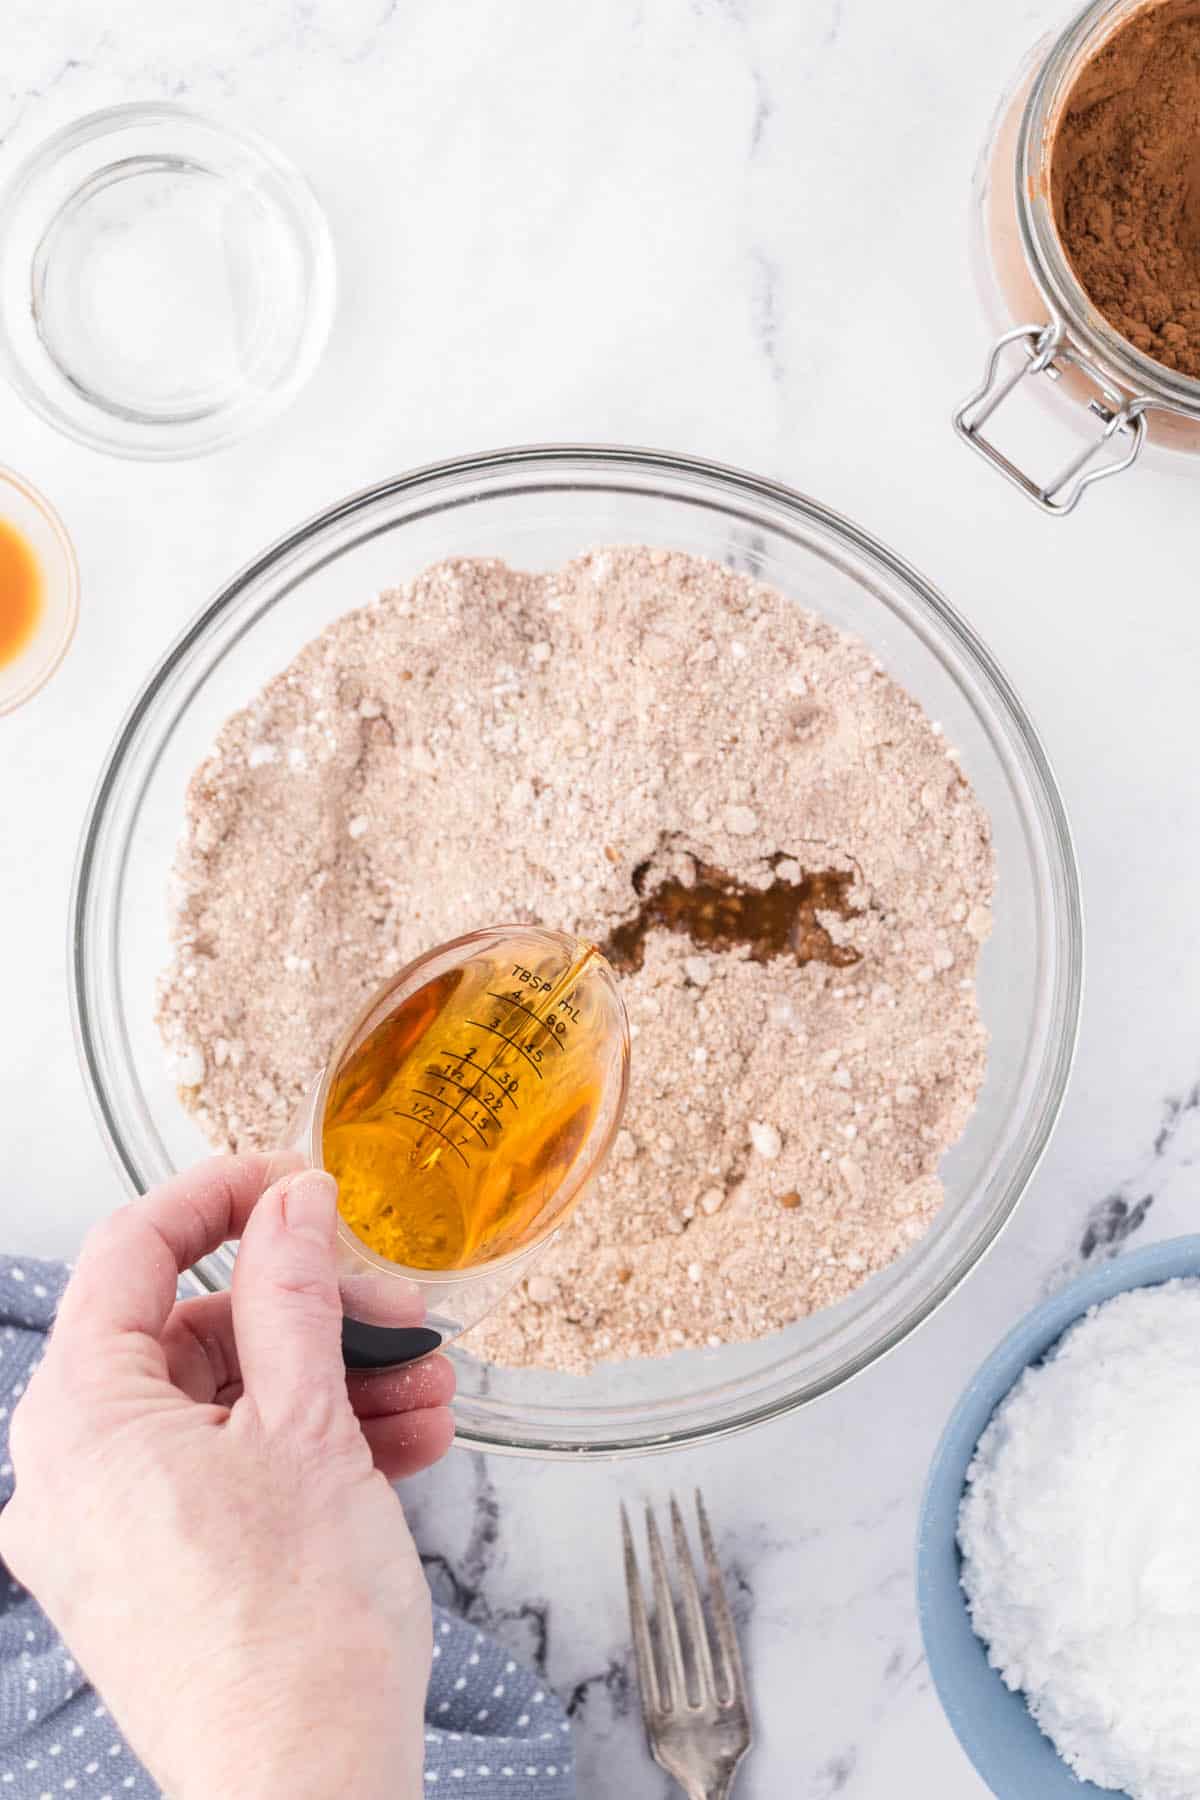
[125, 1280]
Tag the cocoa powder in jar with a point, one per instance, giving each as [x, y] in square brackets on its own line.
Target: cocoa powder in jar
[1125, 182]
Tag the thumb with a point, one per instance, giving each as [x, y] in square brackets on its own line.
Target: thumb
[287, 1313]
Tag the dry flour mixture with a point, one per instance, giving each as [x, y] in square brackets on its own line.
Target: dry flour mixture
[761, 828]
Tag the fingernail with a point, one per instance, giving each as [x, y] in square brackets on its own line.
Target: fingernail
[310, 1205]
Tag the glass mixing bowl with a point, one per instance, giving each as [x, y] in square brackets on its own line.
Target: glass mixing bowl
[536, 508]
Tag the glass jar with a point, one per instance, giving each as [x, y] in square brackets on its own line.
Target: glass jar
[1116, 399]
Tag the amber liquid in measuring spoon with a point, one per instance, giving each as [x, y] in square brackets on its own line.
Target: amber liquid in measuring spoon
[20, 593]
[455, 1123]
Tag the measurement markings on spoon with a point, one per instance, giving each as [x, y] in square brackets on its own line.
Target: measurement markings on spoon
[432, 1124]
[511, 1000]
[504, 1093]
[455, 1112]
[504, 1084]
[530, 1058]
[507, 1084]
[491, 1105]
[554, 1028]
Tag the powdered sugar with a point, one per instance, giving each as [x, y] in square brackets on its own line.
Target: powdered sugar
[487, 745]
[1081, 1543]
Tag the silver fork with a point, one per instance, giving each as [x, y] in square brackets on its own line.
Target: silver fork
[694, 1691]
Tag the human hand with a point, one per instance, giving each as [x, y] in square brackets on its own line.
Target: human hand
[202, 1503]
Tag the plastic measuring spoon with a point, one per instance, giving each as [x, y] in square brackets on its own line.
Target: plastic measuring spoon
[462, 1114]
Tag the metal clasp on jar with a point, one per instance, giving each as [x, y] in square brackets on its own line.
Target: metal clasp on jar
[1048, 351]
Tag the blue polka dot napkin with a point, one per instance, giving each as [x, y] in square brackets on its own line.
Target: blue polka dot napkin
[493, 1731]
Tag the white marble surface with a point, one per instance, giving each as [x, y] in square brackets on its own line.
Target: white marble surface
[737, 229]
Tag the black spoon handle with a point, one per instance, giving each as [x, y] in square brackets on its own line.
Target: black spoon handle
[385, 1346]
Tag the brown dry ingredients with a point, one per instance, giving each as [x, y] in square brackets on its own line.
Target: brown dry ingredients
[1125, 176]
[486, 745]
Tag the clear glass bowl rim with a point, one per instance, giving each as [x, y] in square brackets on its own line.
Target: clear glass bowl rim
[525, 465]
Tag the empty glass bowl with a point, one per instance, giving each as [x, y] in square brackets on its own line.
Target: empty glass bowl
[536, 508]
[166, 282]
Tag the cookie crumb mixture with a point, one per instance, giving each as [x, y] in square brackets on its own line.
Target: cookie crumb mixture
[768, 835]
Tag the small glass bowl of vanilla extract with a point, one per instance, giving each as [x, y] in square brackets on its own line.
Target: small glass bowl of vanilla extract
[39, 590]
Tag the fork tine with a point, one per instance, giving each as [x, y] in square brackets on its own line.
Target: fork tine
[642, 1649]
[729, 1655]
[695, 1629]
[665, 1624]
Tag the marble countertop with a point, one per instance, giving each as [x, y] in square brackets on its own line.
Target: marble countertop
[740, 230]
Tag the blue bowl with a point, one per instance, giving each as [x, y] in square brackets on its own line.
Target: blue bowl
[994, 1725]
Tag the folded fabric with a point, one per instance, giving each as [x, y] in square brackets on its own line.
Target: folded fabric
[493, 1730]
